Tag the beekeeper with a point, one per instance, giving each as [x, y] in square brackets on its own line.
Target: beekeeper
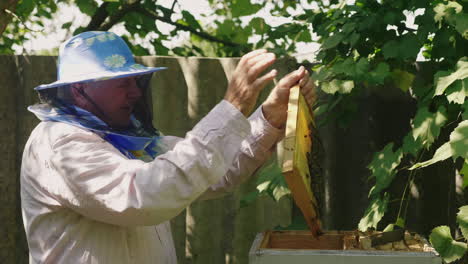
[99, 183]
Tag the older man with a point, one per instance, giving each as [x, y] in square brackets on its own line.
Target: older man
[99, 184]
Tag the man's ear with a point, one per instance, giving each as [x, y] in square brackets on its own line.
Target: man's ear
[77, 93]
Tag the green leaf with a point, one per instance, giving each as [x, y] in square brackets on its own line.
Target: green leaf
[442, 81]
[380, 73]
[461, 24]
[383, 167]
[457, 91]
[462, 220]
[426, 125]
[374, 212]
[400, 222]
[402, 79]
[353, 39]
[464, 173]
[304, 36]
[271, 181]
[409, 46]
[190, 19]
[442, 153]
[67, 25]
[459, 140]
[259, 25]
[321, 74]
[332, 41]
[341, 86]
[25, 7]
[445, 11]
[87, 6]
[442, 241]
[244, 8]
[111, 0]
[406, 47]
[410, 145]
[390, 49]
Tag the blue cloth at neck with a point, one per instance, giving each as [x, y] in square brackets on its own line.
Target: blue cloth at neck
[129, 142]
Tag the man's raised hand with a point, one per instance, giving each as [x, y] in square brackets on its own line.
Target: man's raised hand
[246, 82]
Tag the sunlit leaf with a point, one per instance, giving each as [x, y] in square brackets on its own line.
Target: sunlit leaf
[442, 241]
[462, 220]
[460, 73]
[446, 10]
[442, 153]
[464, 173]
[457, 91]
[341, 86]
[459, 140]
[426, 125]
[383, 167]
[374, 212]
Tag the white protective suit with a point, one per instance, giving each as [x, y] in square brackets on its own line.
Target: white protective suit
[84, 202]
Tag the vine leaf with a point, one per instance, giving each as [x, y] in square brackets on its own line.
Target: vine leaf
[462, 220]
[459, 140]
[426, 125]
[446, 10]
[449, 249]
[374, 212]
[457, 92]
[464, 172]
[461, 24]
[383, 167]
[444, 79]
[341, 86]
[456, 147]
[381, 72]
[244, 8]
[411, 145]
[402, 79]
[332, 41]
[442, 153]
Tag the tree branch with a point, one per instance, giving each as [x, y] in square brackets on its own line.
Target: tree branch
[179, 26]
[98, 18]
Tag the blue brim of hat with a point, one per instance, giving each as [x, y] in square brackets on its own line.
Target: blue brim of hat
[107, 75]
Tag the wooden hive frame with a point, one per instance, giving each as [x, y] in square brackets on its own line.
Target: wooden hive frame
[297, 145]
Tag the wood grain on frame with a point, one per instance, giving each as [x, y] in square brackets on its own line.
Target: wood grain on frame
[297, 144]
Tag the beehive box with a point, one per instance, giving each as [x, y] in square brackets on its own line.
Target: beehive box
[315, 245]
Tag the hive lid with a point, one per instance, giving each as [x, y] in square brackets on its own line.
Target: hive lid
[296, 148]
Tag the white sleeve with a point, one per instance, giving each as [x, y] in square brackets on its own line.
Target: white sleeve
[254, 152]
[106, 186]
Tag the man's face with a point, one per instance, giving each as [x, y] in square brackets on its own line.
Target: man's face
[116, 98]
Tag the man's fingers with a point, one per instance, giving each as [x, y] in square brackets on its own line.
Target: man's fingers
[252, 54]
[259, 65]
[262, 81]
[303, 82]
[292, 78]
